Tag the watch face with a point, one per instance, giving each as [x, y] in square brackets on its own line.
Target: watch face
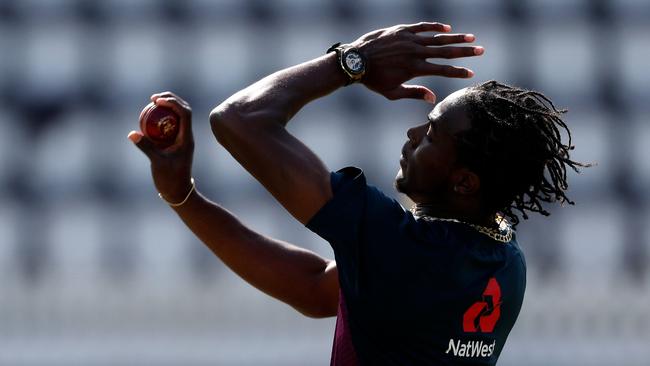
[354, 62]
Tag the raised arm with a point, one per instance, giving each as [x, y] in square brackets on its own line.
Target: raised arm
[251, 123]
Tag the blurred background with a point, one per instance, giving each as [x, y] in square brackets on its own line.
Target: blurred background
[96, 270]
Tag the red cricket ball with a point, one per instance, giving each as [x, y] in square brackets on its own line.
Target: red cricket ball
[159, 124]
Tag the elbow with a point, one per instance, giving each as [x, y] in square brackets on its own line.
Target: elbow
[323, 299]
[318, 312]
[223, 122]
[234, 122]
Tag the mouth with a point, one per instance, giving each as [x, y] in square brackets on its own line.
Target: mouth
[402, 158]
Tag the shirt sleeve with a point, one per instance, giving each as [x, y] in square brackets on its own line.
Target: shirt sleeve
[361, 224]
[338, 221]
[354, 208]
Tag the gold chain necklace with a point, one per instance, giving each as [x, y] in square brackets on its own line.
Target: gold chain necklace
[503, 234]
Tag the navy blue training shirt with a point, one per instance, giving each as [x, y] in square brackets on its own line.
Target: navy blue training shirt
[415, 292]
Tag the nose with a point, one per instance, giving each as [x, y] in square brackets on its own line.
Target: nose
[414, 134]
[410, 133]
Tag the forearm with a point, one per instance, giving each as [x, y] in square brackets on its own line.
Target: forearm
[281, 270]
[279, 96]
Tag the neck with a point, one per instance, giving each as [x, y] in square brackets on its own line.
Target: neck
[433, 210]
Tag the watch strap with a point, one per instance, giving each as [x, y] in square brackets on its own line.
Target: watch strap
[333, 47]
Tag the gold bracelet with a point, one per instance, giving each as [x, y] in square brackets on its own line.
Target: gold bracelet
[183, 201]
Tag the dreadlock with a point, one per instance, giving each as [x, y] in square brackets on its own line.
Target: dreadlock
[515, 146]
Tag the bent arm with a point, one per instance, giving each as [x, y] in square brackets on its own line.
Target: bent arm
[250, 125]
[296, 276]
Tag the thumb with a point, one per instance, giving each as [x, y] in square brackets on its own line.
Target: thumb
[142, 143]
[411, 92]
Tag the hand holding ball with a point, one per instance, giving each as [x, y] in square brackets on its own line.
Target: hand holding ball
[168, 144]
[159, 124]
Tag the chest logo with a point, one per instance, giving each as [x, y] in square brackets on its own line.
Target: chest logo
[483, 315]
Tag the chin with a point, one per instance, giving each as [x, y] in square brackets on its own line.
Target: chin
[400, 185]
[400, 181]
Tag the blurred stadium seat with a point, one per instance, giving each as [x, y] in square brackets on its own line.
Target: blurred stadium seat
[95, 268]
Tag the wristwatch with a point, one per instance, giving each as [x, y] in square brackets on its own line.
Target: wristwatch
[352, 62]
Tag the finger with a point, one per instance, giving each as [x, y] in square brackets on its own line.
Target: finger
[411, 92]
[175, 105]
[449, 52]
[425, 68]
[444, 39]
[165, 94]
[142, 143]
[168, 94]
[428, 27]
[135, 136]
[183, 103]
[183, 111]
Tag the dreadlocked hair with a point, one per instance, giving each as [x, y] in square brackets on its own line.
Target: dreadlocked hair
[515, 146]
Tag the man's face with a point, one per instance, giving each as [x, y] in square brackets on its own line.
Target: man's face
[429, 156]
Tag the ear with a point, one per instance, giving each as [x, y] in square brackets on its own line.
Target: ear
[465, 182]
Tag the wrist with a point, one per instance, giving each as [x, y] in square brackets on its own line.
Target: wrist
[178, 196]
[334, 69]
[350, 61]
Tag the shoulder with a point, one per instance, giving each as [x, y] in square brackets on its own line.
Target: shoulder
[350, 185]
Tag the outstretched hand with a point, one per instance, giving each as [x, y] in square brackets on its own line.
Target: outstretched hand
[399, 53]
[171, 167]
